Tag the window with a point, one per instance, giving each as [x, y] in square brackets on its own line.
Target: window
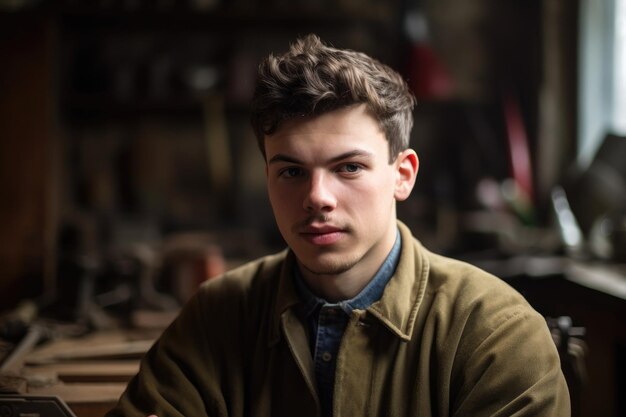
[602, 100]
[619, 100]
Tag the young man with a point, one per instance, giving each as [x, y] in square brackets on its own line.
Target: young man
[355, 318]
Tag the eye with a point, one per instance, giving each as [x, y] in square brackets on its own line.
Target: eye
[290, 172]
[350, 168]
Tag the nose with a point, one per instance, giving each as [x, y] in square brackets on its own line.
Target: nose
[319, 196]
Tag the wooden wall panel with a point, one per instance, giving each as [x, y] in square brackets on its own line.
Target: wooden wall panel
[26, 120]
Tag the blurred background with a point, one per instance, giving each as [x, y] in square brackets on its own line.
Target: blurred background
[129, 172]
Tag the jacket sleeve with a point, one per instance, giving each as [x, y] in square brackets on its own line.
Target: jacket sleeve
[191, 369]
[514, 371]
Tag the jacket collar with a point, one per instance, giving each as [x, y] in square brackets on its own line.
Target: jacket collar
[396, 310]
[286, 297]
[398, 307]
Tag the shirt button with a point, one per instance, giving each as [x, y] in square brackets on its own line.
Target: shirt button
[326, 356]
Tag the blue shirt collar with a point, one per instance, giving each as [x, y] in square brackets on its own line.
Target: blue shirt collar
[368, 295]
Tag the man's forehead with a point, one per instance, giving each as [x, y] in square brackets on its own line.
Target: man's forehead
[353, 154]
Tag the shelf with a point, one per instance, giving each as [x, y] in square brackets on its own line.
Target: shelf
[221, 19]
[94, 109]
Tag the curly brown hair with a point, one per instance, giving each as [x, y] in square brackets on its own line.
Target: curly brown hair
[312, 78]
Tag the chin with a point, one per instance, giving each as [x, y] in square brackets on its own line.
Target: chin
[328, 265]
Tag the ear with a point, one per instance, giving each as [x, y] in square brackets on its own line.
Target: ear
[407, 165]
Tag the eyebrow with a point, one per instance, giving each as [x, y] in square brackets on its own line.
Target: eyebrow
[350, 154]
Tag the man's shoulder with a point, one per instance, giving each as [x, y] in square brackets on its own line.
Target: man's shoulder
[251, 276]
[455, 274]
[473, 292]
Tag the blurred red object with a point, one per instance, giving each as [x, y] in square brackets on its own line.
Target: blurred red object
[519, 151]
[428, 77]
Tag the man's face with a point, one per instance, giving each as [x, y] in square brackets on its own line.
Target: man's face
[333, 190]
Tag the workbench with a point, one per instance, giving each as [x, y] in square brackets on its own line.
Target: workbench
[88, 373]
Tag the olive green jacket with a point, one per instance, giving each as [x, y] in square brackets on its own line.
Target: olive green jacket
[446, 339]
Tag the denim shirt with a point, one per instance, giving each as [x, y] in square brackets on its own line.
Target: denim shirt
[327, 323]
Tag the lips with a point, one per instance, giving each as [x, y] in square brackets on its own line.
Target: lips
[322, 235]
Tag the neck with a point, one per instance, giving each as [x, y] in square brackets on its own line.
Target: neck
[336, 287]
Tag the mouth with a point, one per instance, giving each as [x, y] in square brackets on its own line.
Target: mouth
[322, 235]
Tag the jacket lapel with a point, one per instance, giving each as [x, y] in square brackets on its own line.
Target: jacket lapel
[398, 307]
